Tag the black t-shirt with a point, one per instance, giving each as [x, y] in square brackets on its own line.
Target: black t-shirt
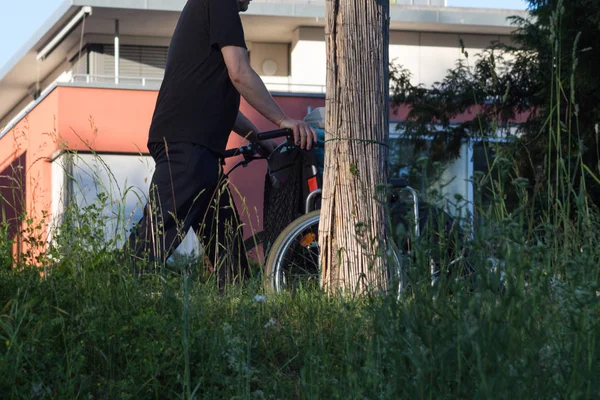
[197, 103]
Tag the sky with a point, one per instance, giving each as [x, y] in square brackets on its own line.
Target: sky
[20, 19]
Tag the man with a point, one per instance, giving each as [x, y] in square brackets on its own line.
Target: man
[197, 107]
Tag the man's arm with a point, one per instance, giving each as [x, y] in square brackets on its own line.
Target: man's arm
[245, 128]
[252, 88]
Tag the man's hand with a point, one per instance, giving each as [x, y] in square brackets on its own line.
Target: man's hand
[304, 135]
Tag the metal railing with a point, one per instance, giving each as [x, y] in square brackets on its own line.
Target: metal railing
[90, 79]
[295, 87]
[111, 79]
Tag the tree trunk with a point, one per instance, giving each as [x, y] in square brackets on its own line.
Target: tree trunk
[352, 233]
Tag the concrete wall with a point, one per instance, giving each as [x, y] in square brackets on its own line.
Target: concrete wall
[427, 55]
[308, 58]
[270, 59]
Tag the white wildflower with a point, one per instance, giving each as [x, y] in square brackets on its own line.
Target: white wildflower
[270, 323]
[260, 298]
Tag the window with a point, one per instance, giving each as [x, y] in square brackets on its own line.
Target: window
[136, 61]
[446, 184]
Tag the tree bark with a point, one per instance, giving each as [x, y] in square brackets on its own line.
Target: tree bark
[352, 234]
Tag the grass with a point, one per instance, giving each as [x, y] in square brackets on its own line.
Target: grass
[91, 330]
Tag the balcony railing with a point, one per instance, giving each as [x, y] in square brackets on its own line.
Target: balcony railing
[113, 80]
[152, 83]
[295, 87]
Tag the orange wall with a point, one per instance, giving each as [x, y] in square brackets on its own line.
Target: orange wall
[403, 109]
[105, 120]
[35, 138]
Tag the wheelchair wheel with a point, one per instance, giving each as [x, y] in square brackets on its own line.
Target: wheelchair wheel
[293, 261]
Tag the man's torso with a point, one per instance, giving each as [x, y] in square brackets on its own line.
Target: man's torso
[197, 102]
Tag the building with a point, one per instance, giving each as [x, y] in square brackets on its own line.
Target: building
[87, 81]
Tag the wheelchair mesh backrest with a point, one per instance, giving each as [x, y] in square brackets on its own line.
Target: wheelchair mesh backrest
[283, 191]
